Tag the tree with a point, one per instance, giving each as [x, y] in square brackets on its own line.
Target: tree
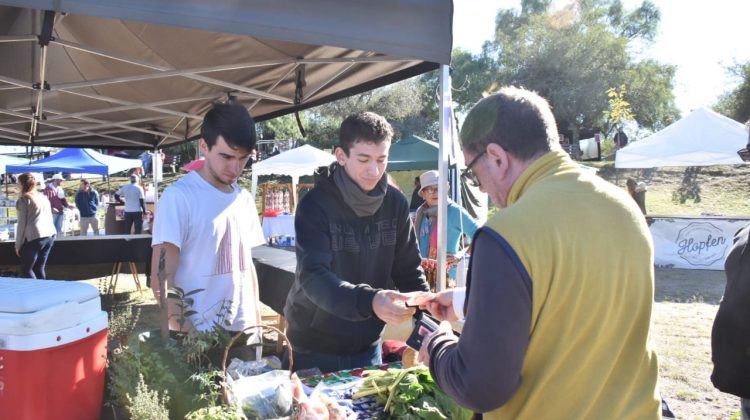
[572, 57]
[284, 127]
[619, 111]
[736, 103]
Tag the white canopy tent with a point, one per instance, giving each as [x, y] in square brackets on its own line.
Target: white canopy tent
[297, 162]
[702, 138]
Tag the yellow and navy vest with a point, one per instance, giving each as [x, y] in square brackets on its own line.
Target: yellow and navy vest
[589, 254]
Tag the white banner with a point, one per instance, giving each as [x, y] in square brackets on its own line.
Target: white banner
[697, 243]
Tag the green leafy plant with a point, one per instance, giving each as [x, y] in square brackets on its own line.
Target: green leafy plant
[410, 394]
[148, 404]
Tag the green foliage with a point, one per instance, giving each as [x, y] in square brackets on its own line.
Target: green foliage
[650, 93]
[180, 367]
[572, 57]
[147, 404]
[410, 394]
[619, 110]
[284, 127]
[736, 102]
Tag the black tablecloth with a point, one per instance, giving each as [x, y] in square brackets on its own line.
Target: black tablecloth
[75, 250]
[275, 269]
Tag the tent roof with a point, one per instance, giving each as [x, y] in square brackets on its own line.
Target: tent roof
[141, 74]
[78, 161]
[413, 153]
[10, 160]
[296, 162]
[702, 138]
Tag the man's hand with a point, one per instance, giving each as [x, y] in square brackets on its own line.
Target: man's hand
[441, 306]
[390, 307]
[18, 253]
[424, 352]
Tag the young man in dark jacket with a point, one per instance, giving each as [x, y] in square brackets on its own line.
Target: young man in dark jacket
[355, 248]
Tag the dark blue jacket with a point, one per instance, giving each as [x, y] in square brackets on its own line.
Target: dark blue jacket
[730, 336]
[87, 202]
[342, 262]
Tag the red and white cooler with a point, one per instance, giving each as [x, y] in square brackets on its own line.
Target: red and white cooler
[53, 350]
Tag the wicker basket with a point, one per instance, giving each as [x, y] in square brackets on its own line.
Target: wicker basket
[236, 337]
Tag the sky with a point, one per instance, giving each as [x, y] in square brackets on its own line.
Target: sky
[701, 38]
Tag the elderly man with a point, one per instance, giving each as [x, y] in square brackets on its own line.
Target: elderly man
[556, 323]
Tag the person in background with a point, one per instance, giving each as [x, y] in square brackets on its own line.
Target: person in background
[35, 232]
[416, 197]
[357, 255]
[426, 223]
[557, 324]
[56, 195]
[135, 206]
[637, 190]
[87, 201]
[730, 336]
[621, 139]
[207, 242]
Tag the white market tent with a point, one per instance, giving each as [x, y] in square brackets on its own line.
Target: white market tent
[296, 162]
[702, 138]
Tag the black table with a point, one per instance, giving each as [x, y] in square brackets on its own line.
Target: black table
[75, 250]
[275, 268]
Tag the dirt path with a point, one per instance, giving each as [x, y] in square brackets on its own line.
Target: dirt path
[686, 304]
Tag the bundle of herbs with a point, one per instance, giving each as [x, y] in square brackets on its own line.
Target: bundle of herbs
[410, 394]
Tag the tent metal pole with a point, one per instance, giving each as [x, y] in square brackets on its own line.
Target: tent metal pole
[127, 103]
[155, 158]
[443, 150]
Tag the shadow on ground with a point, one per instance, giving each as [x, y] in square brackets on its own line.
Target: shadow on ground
[679, 285]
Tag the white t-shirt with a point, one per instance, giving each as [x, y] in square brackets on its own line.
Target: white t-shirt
[214, 231]
[132, 194]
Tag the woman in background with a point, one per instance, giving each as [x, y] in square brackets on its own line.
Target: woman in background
[35, 232]
[460, 224]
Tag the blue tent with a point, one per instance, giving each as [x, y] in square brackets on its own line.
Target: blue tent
[413, 153]
[78, 161]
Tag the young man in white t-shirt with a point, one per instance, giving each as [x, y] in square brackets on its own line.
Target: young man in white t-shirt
[207, 224]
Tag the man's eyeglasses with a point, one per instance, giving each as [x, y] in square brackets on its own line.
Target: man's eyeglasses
[469, 175]
[744, 154]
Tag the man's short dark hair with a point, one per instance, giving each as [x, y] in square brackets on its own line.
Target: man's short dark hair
[517, 119]
[364, 126]
[85, 182]
[231, 121]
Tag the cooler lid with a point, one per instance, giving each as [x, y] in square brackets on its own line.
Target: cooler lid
[23, 296]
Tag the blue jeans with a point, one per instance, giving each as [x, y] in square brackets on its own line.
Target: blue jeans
[745, 408]
[136, 218]
[57, 219]
[34, 257]
[304, 359]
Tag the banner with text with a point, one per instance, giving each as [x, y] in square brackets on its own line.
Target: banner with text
[697, 243]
